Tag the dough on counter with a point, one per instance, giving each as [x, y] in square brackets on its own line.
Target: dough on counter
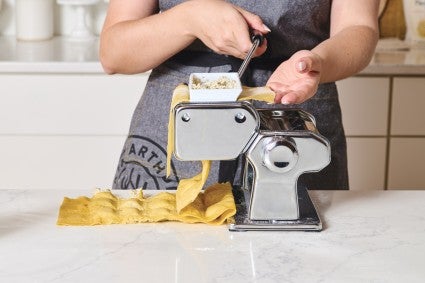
[213, 206]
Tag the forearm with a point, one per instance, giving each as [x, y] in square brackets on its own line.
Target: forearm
[136, 46]
[346, 53]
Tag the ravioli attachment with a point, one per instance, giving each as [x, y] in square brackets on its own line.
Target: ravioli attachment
[188, 189]
[189, 204]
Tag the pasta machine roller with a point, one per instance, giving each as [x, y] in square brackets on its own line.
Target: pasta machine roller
[278, 144]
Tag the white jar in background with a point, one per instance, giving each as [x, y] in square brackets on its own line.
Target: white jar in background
[414, 13]
[34, 19]
[81, 30]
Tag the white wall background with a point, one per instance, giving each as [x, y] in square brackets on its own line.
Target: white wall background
[64, 18]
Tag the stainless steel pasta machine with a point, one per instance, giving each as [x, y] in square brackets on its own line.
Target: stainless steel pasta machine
[279, 146]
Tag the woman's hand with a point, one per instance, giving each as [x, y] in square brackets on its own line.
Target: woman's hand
[136, 38]
[224, 27]
[296, 79]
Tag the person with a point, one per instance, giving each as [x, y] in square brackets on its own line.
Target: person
[309, 45]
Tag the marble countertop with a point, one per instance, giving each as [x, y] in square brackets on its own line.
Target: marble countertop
[368, 236]
[396, 57]
[62, 55]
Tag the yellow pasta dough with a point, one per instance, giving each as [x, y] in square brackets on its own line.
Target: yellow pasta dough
[213, 206]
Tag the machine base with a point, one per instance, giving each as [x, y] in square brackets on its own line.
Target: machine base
[309, 219]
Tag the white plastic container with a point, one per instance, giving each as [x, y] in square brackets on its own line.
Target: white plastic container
[414, 11]
[34, 19]
[214, 94]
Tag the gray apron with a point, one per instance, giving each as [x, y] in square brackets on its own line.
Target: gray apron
[295, 25]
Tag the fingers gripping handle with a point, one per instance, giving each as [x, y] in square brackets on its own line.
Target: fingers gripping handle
[257, 35]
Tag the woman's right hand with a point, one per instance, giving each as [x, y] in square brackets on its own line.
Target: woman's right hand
[223, 27]
[136, 38]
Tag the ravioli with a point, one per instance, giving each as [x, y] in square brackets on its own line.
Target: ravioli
[189, 204]
[214, 206]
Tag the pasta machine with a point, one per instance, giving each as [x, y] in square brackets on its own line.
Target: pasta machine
[279, 145]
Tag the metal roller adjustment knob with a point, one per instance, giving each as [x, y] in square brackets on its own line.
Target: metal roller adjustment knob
[279, 154]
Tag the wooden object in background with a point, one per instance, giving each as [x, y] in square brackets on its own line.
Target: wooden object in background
[392, 22]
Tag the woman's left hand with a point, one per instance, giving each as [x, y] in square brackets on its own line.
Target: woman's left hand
[297, 79]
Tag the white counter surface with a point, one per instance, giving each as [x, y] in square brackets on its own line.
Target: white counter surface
[61, 55]
[376, 236]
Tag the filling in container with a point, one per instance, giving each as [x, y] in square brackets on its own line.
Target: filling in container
[214, 87]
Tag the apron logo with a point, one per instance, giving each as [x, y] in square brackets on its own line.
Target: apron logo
[143, 165]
